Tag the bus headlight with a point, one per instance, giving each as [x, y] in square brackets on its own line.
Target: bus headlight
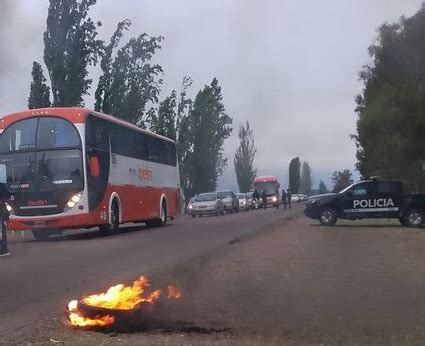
[73, 201]
[9, 208]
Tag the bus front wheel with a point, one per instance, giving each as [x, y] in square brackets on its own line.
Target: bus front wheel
[41, 234]
[114, 224]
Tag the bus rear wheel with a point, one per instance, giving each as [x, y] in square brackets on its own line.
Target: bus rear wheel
[163, 216]
[113, 226]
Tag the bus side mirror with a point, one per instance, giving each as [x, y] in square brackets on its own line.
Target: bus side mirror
[94, 166]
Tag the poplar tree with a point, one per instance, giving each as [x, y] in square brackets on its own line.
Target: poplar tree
[244, 158]
[39, 91]
[294, 175]
[70, 47]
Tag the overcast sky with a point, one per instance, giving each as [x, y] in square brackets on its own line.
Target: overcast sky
[289, 67]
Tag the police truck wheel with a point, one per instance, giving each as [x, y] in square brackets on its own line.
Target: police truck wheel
[40, 234]
[402, 221]
[328, 217]
[114, 224]
[413, 218]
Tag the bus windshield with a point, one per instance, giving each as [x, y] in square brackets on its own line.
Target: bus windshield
[270, 187]
[41, 154]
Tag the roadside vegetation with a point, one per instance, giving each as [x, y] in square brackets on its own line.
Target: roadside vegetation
[391, 125]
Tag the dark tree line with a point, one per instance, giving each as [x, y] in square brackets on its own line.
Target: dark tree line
[129, 87]
[244, 158]
[391, 123]
[300, 180]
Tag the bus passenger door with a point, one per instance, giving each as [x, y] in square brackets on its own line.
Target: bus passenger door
[98, 158]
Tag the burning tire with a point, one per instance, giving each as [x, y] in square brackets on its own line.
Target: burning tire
[119, 307]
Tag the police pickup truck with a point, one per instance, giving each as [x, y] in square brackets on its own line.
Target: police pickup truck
[368, 199]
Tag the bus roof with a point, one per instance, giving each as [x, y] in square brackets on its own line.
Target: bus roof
[76, 115]
[265, 179]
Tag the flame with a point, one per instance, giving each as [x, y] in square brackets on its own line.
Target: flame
[77, 319]
[123, 297]
[174, 292]
[117, 297]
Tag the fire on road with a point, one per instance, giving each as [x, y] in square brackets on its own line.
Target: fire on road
[101, 310]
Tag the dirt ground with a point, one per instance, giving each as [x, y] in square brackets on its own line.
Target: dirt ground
[295, 283]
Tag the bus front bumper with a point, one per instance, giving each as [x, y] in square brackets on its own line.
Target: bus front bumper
[60, 222]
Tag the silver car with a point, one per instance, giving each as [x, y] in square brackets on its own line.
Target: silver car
[230, 201]
[243, 201]
[206, 204]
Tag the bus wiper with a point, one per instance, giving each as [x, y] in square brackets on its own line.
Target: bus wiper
[44, 169]
[27, 172]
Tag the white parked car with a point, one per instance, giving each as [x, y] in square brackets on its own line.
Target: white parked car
[296, 198]
[243, 201]
[206, 203]
[299, 197]
[230, 201]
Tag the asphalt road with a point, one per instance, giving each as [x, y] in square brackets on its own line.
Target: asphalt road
[39, 278]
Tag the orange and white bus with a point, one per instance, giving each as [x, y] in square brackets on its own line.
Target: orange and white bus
[270, 185]
[76, 168]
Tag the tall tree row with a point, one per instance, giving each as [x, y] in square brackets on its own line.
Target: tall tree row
[391, 124]
[129, 88]
[322, 188]
[294, 175]
[39, 91]
[130, 81]
[209, 127]
[70, 46]
[306, 180]
[341, 179]
[244, 158]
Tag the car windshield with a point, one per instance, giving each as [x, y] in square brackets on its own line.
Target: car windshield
[240, 196]
[249, 194]
[347, 188]
[226, 194]
[206, 197]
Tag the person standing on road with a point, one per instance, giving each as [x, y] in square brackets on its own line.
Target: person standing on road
[256, 198]
[284, 198]
[4, 216]
[289, 198]
[264, 199]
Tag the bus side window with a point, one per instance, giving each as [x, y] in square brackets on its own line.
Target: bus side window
[154, 149]
[141, 146]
